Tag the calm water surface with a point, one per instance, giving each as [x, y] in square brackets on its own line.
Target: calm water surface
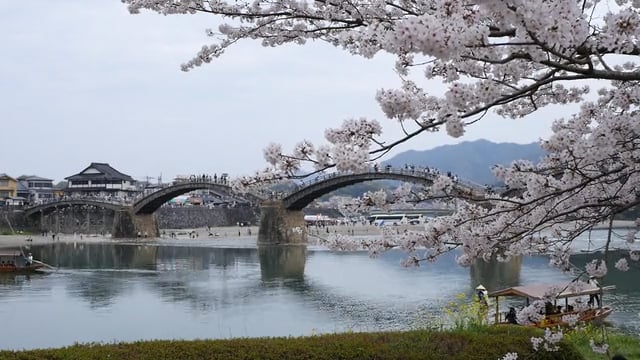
[126, 292]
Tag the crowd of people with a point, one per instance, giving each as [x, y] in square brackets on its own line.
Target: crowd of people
[222, 179]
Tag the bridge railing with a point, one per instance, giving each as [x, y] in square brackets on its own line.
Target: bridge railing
[115, 201]
[224, 181]
[190, 180]
[423, 172]
[65, 199]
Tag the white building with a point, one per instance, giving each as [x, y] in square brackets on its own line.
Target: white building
[101, 180]
[35, 189]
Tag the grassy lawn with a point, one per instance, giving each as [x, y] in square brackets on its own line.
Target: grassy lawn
[481, 343]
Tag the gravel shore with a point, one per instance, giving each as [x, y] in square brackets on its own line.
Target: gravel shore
[245, 236]
[220, 236]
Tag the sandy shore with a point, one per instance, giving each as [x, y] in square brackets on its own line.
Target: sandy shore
[215, 236]
[220, 236]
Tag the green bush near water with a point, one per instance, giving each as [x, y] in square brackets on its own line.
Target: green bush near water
[486, 343]
[8, 231]
[4, 231]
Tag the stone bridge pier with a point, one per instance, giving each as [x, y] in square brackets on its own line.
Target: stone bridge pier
[278, 225]
[126, 224]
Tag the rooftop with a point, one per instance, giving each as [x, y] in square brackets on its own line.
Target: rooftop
[5, 176]
[541, 291]
[32, 178]
[99, 171]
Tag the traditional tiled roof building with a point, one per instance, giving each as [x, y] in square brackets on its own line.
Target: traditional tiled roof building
[100, 179]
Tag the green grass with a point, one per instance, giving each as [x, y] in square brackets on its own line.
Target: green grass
[476, 344]
[4, 231]
[7, 231]
[626, 345]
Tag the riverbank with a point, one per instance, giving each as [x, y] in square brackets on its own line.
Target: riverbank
[242, 236]
[209, 235]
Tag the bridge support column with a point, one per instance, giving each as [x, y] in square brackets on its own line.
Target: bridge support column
[129, 225]
[57, 220]
[281, 226]
[103, 227]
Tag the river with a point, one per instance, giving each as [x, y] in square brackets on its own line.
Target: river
[109, 292]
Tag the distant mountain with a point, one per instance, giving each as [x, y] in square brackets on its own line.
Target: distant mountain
[471, 160]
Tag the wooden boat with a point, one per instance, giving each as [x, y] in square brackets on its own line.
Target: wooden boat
[556, 314]
[14, 261]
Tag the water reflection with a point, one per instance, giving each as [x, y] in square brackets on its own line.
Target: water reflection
[282, 262]
[202, 292]
[97, 256]
[496, 274]
[17, 280]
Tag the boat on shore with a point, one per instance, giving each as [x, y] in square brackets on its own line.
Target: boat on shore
[571, 304]
[15, 261]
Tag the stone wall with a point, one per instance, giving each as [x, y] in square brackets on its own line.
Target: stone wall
[100, 221]
[81, 220]
[12, 220]
[198, 217]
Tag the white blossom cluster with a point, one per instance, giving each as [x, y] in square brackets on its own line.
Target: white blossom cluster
[256, 182]
[400, 104]
[349, 150]
[599, 348]
[597, 268]
[549, 342]
[622, 264]
[533, 313]
[375, 199]
[510, 356]
[571, 319]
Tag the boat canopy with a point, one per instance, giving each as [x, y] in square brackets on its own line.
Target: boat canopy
[542, 291]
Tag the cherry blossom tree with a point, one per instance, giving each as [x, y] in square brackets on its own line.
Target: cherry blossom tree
[506, 57]
[510, 58]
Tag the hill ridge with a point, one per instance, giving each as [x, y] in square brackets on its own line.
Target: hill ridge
[470, 160]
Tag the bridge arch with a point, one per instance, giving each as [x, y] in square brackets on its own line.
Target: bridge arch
[152, 202]
[302, 197]
[282, 219]
[47, 208]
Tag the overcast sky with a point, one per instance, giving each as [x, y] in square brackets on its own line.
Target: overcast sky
[84, 81]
